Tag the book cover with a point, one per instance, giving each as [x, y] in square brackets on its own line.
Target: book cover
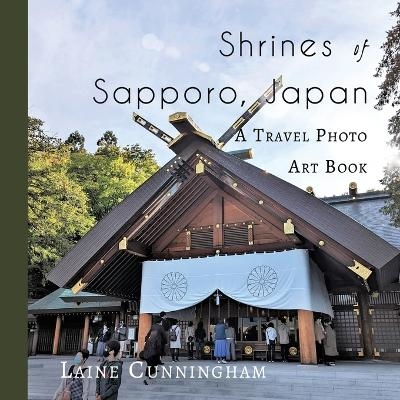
[117, 91]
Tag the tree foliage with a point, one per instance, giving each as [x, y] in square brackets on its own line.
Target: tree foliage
[69, 189]
[38, 140]
[389, 67]
[58, 212]
[76, 142]
[391, 181]
[107, 180]
[107, 144]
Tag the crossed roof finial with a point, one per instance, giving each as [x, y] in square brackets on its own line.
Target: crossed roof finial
[185, 124]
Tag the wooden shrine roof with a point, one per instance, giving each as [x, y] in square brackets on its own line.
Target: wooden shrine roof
[161, 202]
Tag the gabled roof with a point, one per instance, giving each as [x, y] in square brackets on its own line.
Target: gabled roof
[365, 209]
[164, 197]
[53, 303]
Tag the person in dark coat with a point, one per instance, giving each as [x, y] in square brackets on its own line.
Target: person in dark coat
[165, 323]
[199, 335]
[103, 336]
[153, 348]
[107, 386]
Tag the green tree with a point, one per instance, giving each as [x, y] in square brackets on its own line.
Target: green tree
[143, 159]
[107, 145]
[38, 140]
[389, 68]
[75, 141]
[108, 179]
[58, 213]
[70, 189]
[391, 181]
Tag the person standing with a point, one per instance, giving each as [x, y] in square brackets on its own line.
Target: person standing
[77, 385]
[153, 348]
[103, 336]
[109, 381]
[330, 346]
[175, 340]
[189, 338]
[220, 342]
[199, 335]
[270, 337]
[166, 325]
[122, 336]
[230, 342]
[283, 332]
[320, 334]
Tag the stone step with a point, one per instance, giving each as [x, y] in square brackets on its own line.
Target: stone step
[281, 391]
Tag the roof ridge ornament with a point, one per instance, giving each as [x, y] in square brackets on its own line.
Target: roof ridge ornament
[250, 112]
[183, 122]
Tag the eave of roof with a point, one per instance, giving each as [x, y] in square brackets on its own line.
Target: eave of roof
[53, 304]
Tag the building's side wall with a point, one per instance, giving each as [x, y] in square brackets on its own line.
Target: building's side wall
[384, 311]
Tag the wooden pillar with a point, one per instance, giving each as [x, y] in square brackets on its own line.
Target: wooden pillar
[144, 327]
[366, 323]
[85, 339]
[116, 324]
[57, 333]
[308, 352]
[218, 219]
[35, 340]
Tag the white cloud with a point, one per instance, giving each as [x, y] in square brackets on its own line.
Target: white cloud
[202, 66]
[172, 52]
[151, 42]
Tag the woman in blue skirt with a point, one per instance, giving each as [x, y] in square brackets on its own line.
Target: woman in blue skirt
[220, 342]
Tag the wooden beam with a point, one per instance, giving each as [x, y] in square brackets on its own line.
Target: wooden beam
[218, 220]
[35, 339]
[57, 333]
[85, 338]
[308, 352]
[366, 323]
[134, 247]
[171, 252]
[144, 327]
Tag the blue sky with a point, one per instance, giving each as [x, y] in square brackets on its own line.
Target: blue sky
[177, 43]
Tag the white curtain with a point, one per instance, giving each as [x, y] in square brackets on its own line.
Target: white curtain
[282, 280]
